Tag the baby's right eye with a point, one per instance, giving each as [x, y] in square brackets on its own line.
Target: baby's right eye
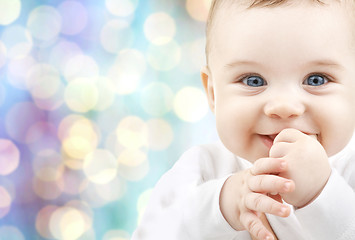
[254, 81]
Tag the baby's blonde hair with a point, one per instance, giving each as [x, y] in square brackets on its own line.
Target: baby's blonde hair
[216, 4]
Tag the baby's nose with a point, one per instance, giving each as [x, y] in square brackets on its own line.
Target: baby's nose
[284, 108]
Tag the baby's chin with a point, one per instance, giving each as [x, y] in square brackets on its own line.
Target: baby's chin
[256, 152]
[334, 150]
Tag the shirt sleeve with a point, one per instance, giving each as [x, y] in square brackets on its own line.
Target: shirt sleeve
[332, 215]
[184, 205]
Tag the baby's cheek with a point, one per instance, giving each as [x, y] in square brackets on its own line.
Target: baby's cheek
[336, 143]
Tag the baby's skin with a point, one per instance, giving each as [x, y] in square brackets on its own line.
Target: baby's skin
[287, 174]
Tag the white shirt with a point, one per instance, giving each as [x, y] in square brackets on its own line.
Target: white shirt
[185, 202]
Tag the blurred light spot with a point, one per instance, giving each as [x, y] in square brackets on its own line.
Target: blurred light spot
[3, 54]
[98, 195]
[66, 125]
[19, 120]
[116, 235]
[47, 165]
[121, 8]
[131, 59]
[106, 93]
[160, 134]
[62, 52]
[100, 166]
[116, 35]
[127, 71]
[17, 40]
[9, 11]
[132, 132]
[44, 23]
[164, 57]
[133, 164]
[42, 221]
[43, 81]
[81, 140]
[112, 191]
[76, 149]
[67, 223]
[4, 211]
[159, 28]
[193, 54]
[9, 157]
[81, 66]
[190, 104]
[132, 157]
[47, 190]
[5, 202]
[86, 211]
[157, 99]
[37, 131]
[52, 103]
[74, 16]
[81, 95]
[18, 70]
[11, 233]
[73, 181]
[88, 235]
[198, 9]
[143, 202]
[113, 145]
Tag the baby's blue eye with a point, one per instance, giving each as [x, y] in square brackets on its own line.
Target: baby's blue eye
[254, 81]
[315, 80]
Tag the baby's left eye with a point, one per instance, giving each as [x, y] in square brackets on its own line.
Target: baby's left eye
[315, 80]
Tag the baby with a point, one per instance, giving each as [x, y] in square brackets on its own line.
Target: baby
[280, 79]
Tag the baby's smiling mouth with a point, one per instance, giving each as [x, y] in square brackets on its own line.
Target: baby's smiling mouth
[268, 139]
[272, 136]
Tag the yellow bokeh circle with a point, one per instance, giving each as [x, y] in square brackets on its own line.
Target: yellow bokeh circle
[100, 166]
[81, 95]
[190, 104]
[159, 28]
[132, 132]
[9, 11]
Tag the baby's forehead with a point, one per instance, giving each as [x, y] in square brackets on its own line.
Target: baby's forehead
[222, 10]
[236, 26]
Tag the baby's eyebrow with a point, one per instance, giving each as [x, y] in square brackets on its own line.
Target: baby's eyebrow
[325, 63]
[241, 63]
[313, 63]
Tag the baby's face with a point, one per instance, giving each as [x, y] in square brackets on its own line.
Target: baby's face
[282, 67]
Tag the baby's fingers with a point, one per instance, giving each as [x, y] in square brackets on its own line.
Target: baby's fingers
[268, 166]
[255, 227]
[261, 203]
[270, 184]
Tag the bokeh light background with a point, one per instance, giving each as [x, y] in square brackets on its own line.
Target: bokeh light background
[97, 100]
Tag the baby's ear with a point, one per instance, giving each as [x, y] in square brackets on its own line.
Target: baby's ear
[208, 85]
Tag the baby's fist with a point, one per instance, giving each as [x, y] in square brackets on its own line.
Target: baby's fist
[308, 165]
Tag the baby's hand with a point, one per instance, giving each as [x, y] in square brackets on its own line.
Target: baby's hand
[308, 165]
[244, 196]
